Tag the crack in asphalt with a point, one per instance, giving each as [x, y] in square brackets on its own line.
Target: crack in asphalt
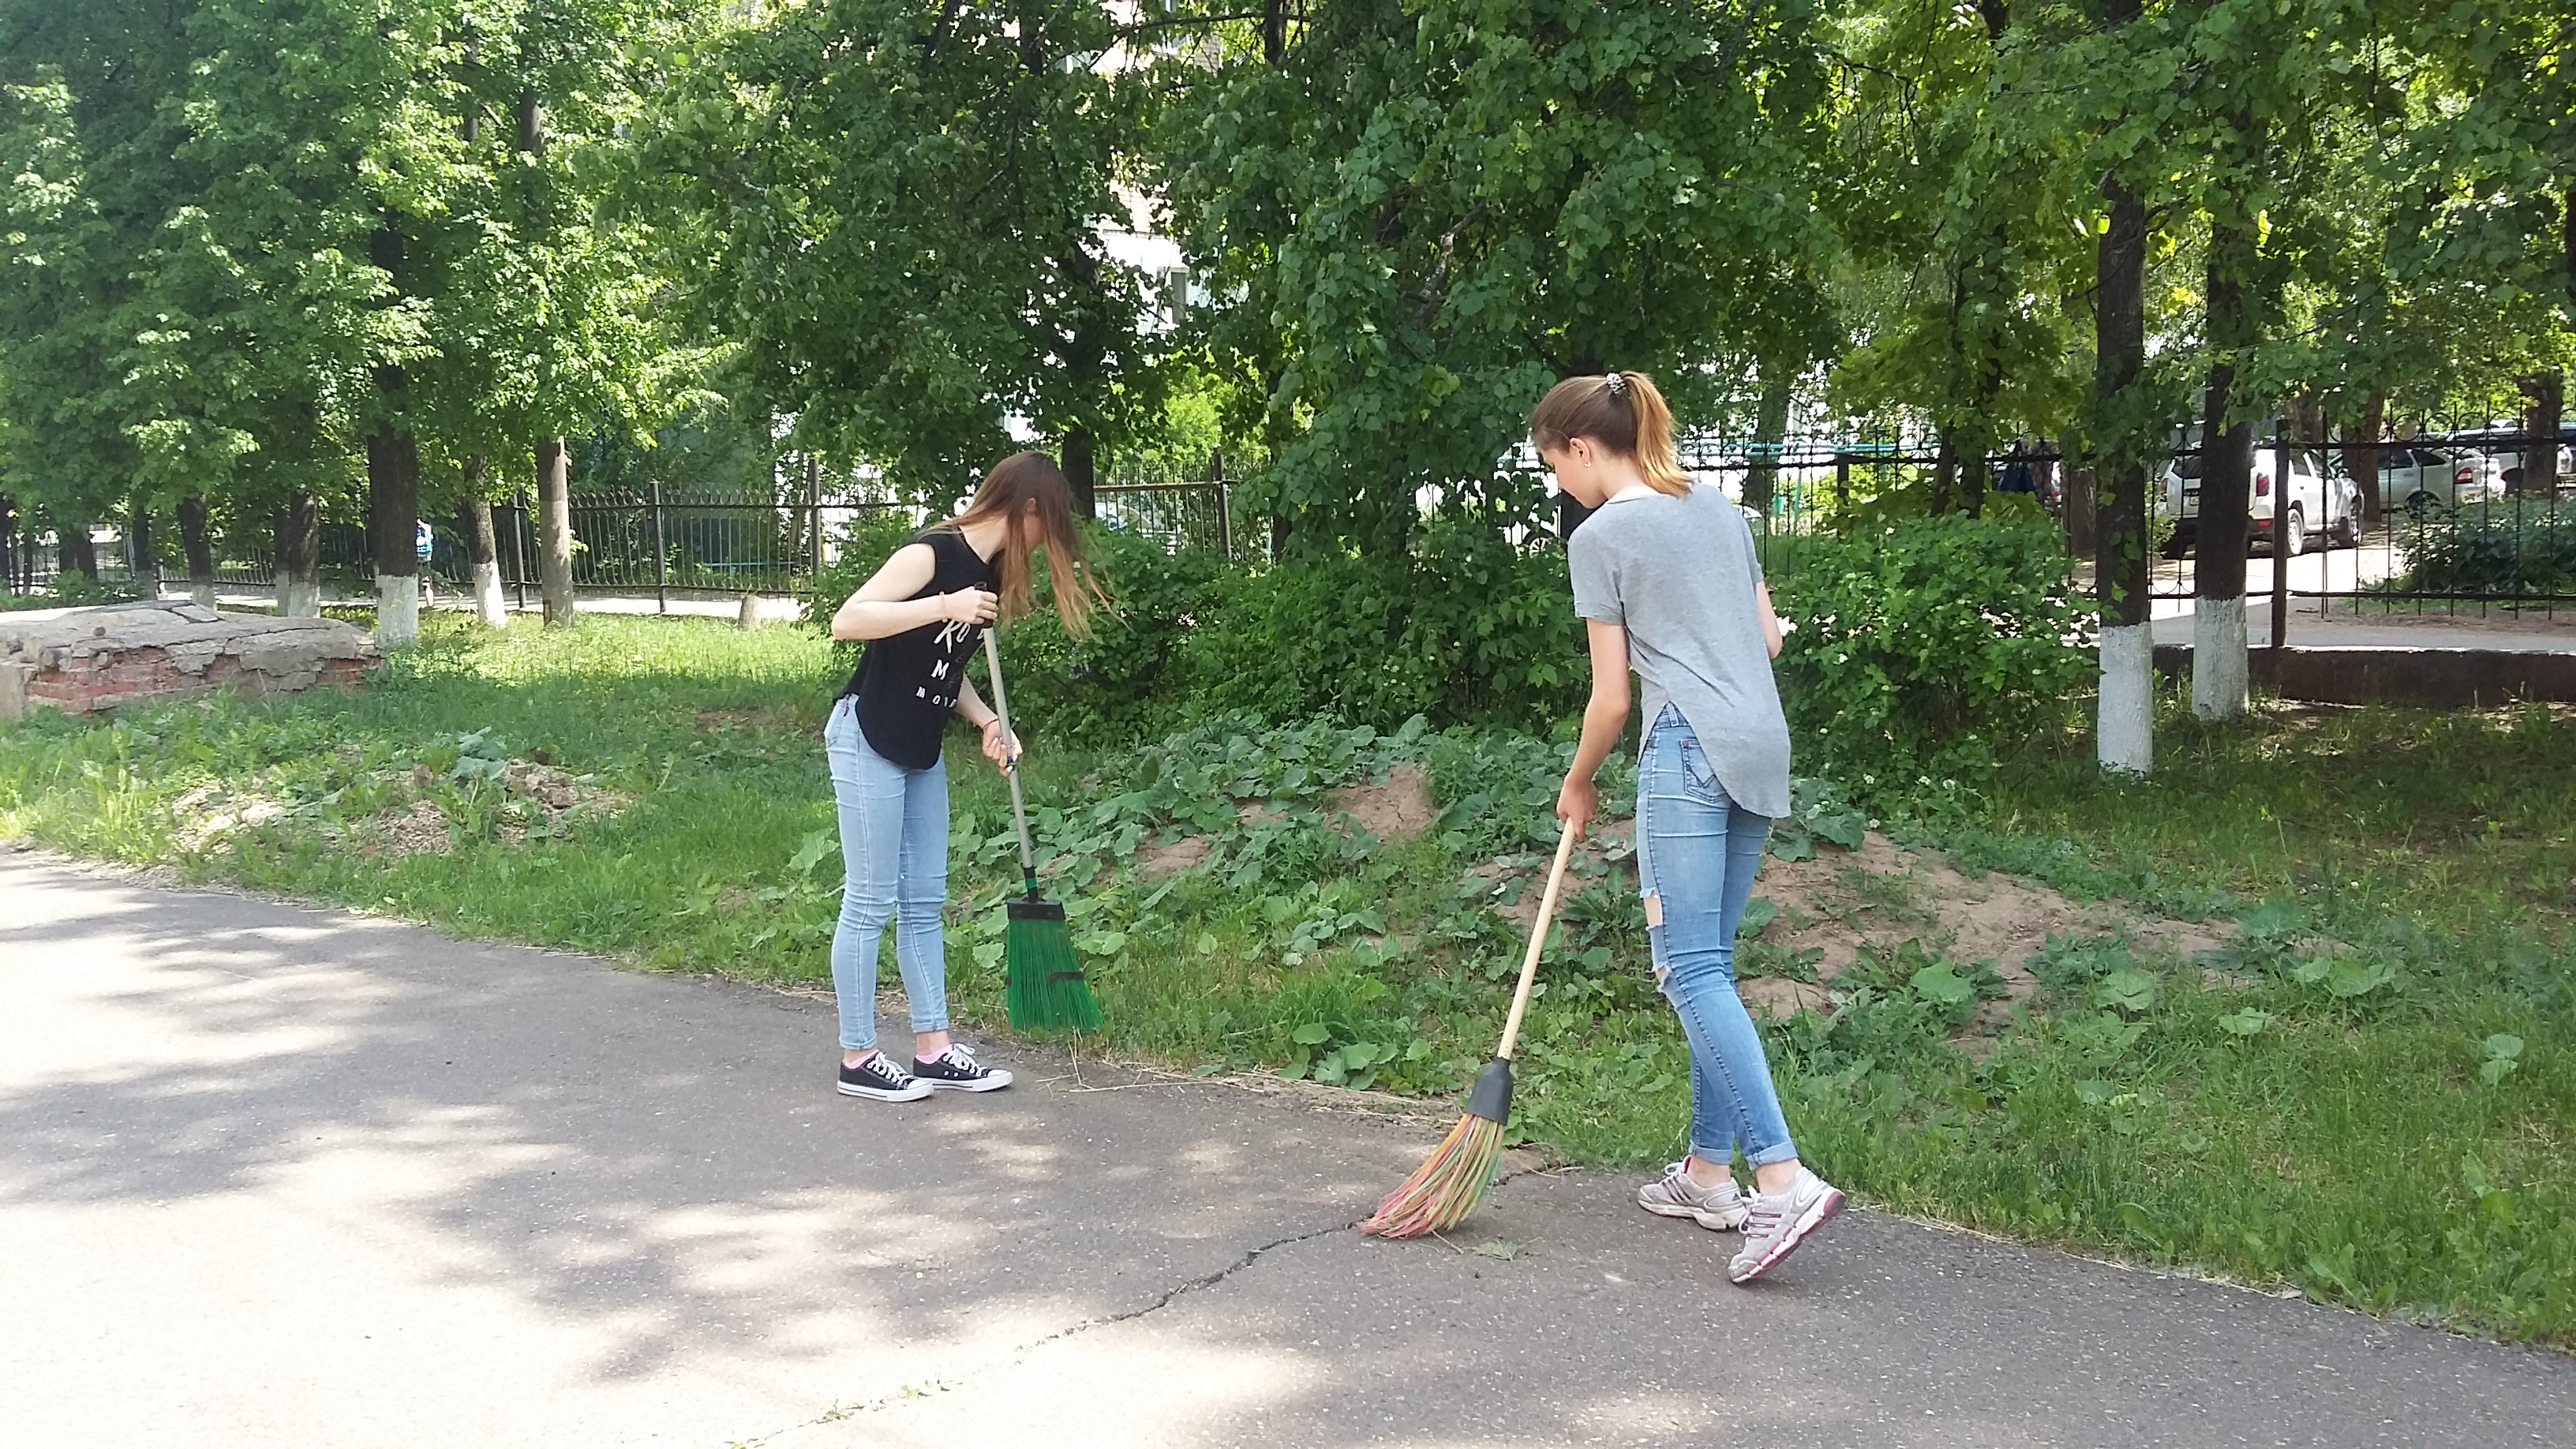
[1020, 1354]
[1161, 1301]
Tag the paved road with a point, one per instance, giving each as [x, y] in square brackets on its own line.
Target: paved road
[274, 1177]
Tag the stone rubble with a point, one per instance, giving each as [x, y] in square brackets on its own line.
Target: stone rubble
[88, 660]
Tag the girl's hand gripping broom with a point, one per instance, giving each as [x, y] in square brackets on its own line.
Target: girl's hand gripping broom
[1452, 1181]
[1044, 986]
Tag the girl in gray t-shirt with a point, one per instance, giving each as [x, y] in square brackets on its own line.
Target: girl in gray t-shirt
[1667, 582]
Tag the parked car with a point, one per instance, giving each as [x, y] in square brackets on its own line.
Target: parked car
[2425, 480]
[2316, 501]
[2502, 446]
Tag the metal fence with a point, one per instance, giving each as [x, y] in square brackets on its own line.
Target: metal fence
[2451, 522]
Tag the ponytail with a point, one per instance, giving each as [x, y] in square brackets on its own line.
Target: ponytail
[1624, 412]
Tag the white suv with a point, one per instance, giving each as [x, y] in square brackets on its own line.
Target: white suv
[2315, 501]
[2424, 481]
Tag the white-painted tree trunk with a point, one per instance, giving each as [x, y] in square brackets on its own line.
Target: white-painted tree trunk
[397, 610]
[2219, 666]
[297, 599]
[203, 593]
[2126, 730]
[490, 605]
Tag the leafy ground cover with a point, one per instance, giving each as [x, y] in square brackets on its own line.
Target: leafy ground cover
[2297, 1010]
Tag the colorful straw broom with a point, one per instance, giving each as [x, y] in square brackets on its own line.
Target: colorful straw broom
[1044, 988]
[1452, 1181]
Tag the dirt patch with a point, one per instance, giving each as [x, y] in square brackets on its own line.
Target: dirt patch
[1831, 908]
[417, 830]
[1883, 894]
[1395, 808]
[1159, 861]
[209, 812]
[1517, 883]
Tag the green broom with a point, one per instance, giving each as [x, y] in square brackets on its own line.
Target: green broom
[1452, 1180]
[1044, 988]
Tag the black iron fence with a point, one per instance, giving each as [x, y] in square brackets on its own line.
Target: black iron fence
[2446, 521]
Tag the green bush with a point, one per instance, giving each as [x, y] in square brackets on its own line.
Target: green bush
[1920, 644]
[1467, 629]
[1129, 679]
[2518, 546]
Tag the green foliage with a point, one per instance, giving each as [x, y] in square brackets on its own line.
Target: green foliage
[1418, 216]
[1923, 645]
[2516, 546]
[1466, 628]
[1132, 678]
[892, 212]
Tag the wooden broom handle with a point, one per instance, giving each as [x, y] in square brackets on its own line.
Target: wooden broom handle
[1538, 939]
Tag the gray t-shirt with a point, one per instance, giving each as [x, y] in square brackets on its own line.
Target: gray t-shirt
[1680, 573]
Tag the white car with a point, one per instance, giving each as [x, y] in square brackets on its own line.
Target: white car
[2315, 502]
[2424, 480]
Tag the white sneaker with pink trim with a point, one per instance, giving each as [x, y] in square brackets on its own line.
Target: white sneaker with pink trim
[1776, 1223]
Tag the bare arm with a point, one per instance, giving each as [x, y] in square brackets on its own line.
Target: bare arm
[1605, 714]
[884, 605]
[1770, 620]
[1000, 746]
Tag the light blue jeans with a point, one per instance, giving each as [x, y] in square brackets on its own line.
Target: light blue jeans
[1697, 851]
[894, 856]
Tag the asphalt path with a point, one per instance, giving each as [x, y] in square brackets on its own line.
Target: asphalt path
[274, 1176]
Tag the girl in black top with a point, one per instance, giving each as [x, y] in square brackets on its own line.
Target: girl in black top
[924, 615]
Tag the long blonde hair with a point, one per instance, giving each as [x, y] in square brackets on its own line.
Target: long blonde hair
[1624, 413]
[1013, 484]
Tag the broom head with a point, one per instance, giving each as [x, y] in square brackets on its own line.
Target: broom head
[1451, 1182]
[1044, 989]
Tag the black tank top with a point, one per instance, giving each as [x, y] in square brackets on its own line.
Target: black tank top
[907, 683]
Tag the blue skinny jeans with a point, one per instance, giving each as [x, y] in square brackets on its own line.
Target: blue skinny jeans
[1697, 851]
[894, 856]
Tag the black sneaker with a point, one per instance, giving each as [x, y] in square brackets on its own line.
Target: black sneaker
[956, 1070]
[880, 1078]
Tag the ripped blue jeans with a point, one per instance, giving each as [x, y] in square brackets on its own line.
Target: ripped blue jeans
[1697, 851]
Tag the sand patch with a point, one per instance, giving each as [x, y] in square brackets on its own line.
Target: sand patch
[1395, 808]
[1830, 909]
[1155, 862]
[210, 812]
[417, 830]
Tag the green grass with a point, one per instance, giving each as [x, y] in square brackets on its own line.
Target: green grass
[2331, 1106]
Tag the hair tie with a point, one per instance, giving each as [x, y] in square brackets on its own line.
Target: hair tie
[1614, 383]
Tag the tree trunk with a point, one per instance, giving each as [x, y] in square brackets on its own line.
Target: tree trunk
[299, 557]
[1945, 472]
[2219, 685]
[554, 529]
[2361, 455]
[1082, 471]
[2124, 735]
[1770, 432]
[2544, 407]
[142, 568]
[196, 539]
[483, 548]
[2078, 507]
[79, 553]
[393, 524]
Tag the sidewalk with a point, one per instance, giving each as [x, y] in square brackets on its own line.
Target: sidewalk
[706, 606]
[271, 1176]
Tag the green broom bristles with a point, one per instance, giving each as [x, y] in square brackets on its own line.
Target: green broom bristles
[1044, 989]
